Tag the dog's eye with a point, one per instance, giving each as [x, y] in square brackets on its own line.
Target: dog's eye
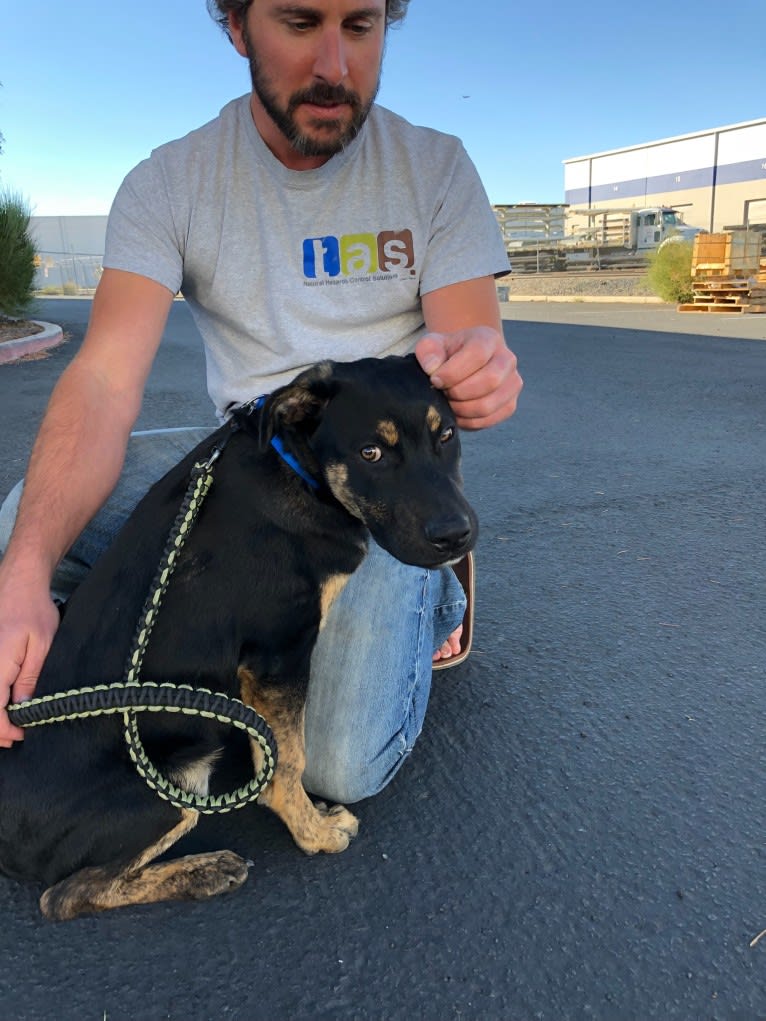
[447, 434]
[371, 453]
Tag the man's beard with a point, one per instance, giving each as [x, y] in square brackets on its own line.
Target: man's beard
[337, 133]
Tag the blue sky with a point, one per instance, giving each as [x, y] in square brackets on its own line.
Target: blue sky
[91, 86]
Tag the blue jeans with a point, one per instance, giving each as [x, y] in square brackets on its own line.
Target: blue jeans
[371, 667]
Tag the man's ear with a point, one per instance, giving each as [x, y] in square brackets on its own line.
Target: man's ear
[235, 33]
[298, 407]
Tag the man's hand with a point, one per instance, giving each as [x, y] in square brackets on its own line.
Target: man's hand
[28, 622]
[476, 371]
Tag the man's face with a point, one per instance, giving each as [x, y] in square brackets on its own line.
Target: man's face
[315, 66]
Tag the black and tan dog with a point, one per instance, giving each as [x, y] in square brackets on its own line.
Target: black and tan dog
[254, 582]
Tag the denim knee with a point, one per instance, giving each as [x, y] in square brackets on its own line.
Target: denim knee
[342, 783]
[346, 771]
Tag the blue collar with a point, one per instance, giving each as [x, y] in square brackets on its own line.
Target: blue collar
[287, 457]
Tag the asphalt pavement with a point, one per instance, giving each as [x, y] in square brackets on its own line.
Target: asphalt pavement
[579, 832]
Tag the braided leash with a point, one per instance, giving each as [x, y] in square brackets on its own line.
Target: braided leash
[199, 486]
[132, 696]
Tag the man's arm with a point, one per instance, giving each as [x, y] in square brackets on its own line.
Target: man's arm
[465, 354]
[75, 464]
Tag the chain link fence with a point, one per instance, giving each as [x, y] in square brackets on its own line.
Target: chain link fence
[67, 272]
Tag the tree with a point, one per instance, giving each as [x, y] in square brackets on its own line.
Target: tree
[17, 254]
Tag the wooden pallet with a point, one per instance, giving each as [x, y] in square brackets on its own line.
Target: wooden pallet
[730, 254]
[730, 293]
[725, 285]
[726, 309]
[711, 272]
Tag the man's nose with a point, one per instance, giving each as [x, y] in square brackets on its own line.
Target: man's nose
[331, 64]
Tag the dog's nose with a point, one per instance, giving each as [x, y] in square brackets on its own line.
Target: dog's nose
[449, 534]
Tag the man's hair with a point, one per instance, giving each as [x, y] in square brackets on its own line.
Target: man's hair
[220, 9]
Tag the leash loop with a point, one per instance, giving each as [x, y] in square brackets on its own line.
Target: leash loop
[131, 699]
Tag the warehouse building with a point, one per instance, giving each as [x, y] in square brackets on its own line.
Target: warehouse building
[716, 178]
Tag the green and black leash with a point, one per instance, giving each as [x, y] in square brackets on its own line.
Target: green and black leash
[133, 696]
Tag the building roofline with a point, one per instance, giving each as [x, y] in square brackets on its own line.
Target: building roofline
[664, 141]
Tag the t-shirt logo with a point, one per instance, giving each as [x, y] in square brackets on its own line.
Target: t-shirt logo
[359, 255]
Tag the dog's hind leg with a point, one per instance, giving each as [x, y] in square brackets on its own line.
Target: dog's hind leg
[100, 888]
[313, 829]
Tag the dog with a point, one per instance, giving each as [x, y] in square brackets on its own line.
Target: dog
[254, 581]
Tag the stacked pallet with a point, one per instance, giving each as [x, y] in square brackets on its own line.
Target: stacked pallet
[727, 275]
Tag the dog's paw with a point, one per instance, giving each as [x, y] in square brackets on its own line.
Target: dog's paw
[333, 830]
[230, 873]
[340, 827]
[207, 875]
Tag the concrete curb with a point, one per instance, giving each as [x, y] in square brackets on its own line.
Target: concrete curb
[50, 336]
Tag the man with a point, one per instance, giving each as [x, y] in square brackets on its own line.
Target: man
[304, 222]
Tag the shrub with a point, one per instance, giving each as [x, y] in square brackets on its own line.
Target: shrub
[17, 254]
[670, 271]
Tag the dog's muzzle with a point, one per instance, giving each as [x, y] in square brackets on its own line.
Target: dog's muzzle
[451, 536]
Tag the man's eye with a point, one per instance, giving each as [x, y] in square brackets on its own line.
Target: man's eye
[447, 434]
[300, 25]
[360, 28]
[371, 453]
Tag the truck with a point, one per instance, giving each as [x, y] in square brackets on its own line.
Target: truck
[541, 238]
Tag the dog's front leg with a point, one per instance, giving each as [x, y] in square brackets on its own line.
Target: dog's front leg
[313, 828]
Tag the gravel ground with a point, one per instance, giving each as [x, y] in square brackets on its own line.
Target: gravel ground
[12, 329]
[582, 283]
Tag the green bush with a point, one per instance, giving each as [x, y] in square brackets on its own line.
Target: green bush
[17, 254]
[670, 271]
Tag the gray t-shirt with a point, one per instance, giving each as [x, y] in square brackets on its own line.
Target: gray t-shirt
[283, 268]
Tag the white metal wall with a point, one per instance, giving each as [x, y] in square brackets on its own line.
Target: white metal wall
[715, 177]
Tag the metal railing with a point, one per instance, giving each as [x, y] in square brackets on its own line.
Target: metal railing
[67, 272]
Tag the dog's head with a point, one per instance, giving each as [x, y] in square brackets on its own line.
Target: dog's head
[385, 443]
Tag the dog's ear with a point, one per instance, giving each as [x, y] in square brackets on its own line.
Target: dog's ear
[299, 405]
